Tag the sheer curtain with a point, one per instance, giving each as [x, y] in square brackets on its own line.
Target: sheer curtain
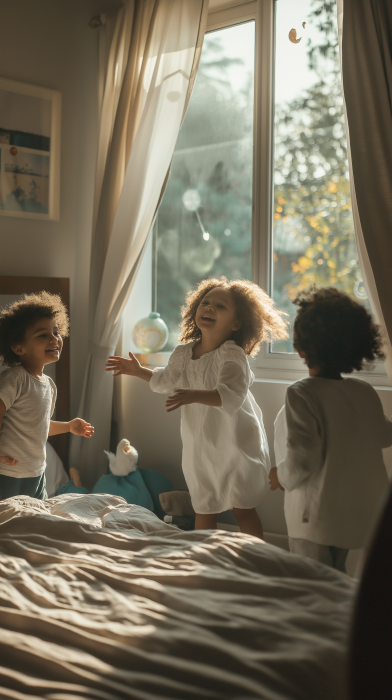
[151, 51]
[365, 41]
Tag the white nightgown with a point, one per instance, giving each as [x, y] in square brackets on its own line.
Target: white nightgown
[225, 456]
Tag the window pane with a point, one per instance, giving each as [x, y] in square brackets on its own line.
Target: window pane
[204, 222]
[313, 234]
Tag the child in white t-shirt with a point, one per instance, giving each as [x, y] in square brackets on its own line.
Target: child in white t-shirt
[31, 332]
[330, 435]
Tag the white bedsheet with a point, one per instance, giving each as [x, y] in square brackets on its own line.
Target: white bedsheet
[100, 599]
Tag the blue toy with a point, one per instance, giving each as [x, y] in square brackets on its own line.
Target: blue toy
[139, 486]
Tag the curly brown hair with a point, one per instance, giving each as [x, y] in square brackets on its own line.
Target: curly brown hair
[260, 319]
[336, 333]
[18, 316]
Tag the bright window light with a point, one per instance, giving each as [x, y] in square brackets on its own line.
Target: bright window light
[204, 223]
[313, 232]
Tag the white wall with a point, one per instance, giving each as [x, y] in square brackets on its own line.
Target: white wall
[48, 43]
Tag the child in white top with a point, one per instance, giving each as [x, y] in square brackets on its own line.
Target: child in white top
[329, 437]
[225, 450]
[31, 332]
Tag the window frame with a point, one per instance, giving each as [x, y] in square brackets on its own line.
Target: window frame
[268, 365]
[283, 366]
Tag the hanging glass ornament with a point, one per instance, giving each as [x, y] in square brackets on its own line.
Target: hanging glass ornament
[359, 290]
[150, 334]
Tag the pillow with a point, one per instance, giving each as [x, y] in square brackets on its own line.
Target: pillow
[55, 474]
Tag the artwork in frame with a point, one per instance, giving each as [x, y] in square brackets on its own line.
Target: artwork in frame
[30, 122]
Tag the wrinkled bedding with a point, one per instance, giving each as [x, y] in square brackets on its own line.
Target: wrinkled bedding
[100, 599]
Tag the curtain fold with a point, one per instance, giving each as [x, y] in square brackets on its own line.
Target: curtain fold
[365, 42]
[151, 50]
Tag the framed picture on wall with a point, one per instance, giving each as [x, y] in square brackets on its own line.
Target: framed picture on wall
[30, 123]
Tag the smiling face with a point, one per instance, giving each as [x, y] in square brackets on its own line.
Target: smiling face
[216, 315]
[41, 345]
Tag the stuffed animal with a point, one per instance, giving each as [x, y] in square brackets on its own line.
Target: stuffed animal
[125, 460]
[138, 486]
[143, 487]
[178, 509]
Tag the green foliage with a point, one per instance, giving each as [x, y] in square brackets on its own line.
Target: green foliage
[312, 191]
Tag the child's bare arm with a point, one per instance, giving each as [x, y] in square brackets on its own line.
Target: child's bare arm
[274, 480]
[123, 365]
[182, 397]
[76, 426]
[6, 459]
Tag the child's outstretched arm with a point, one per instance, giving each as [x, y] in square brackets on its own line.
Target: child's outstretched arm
[229, 394]
[182, 397]
[6, 459]
[122, 365]
[76, 426]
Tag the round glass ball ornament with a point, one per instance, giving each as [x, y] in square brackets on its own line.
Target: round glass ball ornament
[150, 334]
[359, 290]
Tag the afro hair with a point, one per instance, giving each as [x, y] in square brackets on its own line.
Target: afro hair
[336, 333]
[18, 316]
[260, 319]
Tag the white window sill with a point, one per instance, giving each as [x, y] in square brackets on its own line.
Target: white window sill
[378, 379]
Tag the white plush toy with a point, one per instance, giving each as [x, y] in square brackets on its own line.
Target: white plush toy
[125, 460]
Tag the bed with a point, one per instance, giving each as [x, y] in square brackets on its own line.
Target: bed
[100, 599]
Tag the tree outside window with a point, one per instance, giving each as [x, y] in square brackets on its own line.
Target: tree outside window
[313, 239]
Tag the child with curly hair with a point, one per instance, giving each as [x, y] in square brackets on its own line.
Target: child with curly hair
[31, 336]
[225, 451]
[330, 435]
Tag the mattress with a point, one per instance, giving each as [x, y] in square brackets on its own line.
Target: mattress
[100, 599]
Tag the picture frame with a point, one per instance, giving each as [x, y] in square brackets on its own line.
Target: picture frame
[12, 288]
[30, 132]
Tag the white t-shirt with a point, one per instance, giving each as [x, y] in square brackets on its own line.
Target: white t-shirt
[225, 456]
[328, 448]
[24, 431]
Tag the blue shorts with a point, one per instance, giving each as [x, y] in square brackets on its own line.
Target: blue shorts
[34, 486]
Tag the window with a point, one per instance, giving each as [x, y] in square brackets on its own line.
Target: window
[259, 184]
[204, 223]
[313, 232]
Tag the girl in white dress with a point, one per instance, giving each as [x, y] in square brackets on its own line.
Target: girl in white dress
[225, 450]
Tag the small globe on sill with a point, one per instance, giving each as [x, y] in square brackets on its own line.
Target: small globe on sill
[150, 334]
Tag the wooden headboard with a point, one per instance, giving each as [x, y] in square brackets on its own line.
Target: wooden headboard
[55, 285]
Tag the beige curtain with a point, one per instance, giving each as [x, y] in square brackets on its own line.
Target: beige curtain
[150, 52]
[365, 40]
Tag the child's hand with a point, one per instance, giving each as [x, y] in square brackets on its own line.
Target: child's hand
[181, 397]
[121, 365]
[6, 459]
[78, 426]
[273, 480]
